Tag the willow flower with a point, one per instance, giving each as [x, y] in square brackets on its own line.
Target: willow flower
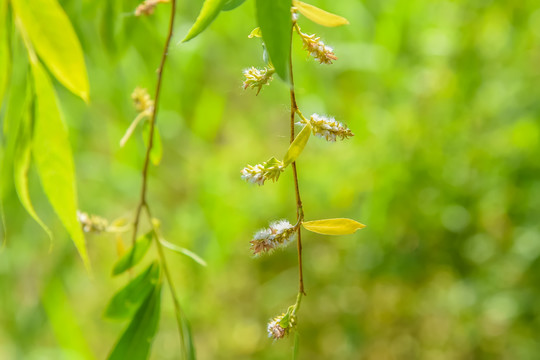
[257, 78]
[316, 48]
[268, 170]
[278, 235]
[328, 128]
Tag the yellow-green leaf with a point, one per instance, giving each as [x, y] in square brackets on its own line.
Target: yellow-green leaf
[55, 41]
[209, 12]
[5, 58]
[319, 16]
[255, 33]
[134, 255]
[333, 226]
[21, 164]
[297, 145]
[53, 157]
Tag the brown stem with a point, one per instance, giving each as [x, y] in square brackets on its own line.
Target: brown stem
[299, 210]
[142, 201]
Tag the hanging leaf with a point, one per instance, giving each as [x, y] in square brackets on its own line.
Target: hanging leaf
[232, 4]
[135, 342]
[134, 255]
[54, 161]
[55, 41]
[21, 164]
[189, 349]
[333, 226]
[157, 148]
[183, 251]
[126, 301]
[209, 12]
[295, 149]
[5, 58]
[319, 16]
[274, 19]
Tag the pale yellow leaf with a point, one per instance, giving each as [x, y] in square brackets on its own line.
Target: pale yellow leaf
[319, 16]
[338, 226]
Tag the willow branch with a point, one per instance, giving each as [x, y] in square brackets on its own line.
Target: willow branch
[299, 210]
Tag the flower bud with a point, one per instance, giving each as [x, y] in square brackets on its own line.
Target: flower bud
[257, 78]
[278, 235]
[258, 174]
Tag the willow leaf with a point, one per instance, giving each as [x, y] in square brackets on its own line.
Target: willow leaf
[55, 41]
[134, 255]
[333, 226]
[126, 301]
[53, 157]
[274, 19]
[295, 149]
[319, 16]
[136, 341]
[210, 10]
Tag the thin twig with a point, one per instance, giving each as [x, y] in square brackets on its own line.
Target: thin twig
[299, 210]
[143, 201]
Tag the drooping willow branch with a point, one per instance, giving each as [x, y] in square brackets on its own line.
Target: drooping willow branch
[143, 202]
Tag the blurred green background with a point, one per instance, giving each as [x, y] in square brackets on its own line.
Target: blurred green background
[443, 98]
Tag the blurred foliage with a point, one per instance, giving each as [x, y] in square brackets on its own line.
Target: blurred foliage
[443, 170]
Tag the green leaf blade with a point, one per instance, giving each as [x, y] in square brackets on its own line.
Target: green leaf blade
[183, 251]
[210, 10]
[339, 226]
[54, 160]
[5, 57]
[134, 255]
[21, 165]
[126, 301]
[55, 41]
[136, 341]
[232, 4]
[296, 147]
[275, 20]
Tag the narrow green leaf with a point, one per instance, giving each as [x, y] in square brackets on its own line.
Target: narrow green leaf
[55, 41]
[189, 349]
[275, 20]
[209, 12]
[157, 148]
[232, 4]
[134, 255]
[333, 226]
[126, 301]
[183, 251]
[5, 58]
[319, 16]
[54, 161]
[296, 147]
[21, 164]
[136, 341]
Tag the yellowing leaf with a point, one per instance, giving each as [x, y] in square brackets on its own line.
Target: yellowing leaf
[297, 145]
[333, 226]
[209, 12]
[54, 161]
[255, 33]
[319, 16]
[55, 41]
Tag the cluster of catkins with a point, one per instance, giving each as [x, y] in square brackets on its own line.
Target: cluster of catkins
[281, 233]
